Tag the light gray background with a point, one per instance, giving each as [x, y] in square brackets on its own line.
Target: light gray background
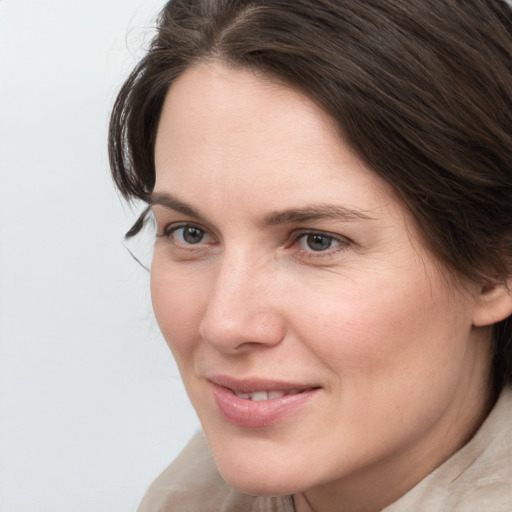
[91, 405]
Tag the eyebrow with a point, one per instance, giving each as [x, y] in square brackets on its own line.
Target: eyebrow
[315, 212]
[168, 201]
[308, 213]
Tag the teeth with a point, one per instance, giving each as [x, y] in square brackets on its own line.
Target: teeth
[258, 396]
[275, 394]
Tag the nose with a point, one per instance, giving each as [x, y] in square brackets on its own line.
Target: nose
[242, 310]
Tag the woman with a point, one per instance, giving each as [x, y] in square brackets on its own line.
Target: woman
[331, 187]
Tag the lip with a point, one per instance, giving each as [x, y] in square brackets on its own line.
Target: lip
[258, 414]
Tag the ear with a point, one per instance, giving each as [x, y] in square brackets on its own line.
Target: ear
[494, 304]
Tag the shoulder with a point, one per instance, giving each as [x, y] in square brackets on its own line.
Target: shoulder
[478, 477]
[193, 484]
[189, 479]
[487, 479]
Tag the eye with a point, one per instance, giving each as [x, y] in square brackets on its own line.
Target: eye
[186, 234]
[189, 234]
[317, 243]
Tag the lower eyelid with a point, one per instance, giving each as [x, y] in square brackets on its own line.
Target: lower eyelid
[336, 250]
[340, 242]
[206, 243]
[324, 254]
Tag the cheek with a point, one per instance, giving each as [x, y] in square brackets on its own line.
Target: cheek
[178, 304]
[392, 357]
[389, 330]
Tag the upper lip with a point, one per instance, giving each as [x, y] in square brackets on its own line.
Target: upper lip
[254, 384]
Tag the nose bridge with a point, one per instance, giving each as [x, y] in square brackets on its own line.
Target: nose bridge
[240, 310]
[233, 284]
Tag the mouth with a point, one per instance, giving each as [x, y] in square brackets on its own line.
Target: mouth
[256, 403]
[258, 396]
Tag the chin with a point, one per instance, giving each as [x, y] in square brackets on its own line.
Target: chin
[262, 471]
[258, 483]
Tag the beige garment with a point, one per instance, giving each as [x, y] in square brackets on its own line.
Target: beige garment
[478, 478]
[192, 484]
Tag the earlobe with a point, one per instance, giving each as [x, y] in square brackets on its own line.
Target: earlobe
[494, 304]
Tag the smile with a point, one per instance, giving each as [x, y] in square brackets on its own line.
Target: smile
[258, 404]
[258, 396]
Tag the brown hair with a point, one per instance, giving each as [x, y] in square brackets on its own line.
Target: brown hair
[421, 89]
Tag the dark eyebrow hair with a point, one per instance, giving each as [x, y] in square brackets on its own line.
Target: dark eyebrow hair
[168, 201]
[314, 212]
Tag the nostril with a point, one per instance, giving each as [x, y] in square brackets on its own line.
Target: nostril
[241, 310]
[242, 330]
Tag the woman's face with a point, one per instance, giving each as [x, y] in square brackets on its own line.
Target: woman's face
[316, 335]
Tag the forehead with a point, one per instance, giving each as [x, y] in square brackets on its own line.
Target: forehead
[231, 124]
[238, 148]
[227, 112]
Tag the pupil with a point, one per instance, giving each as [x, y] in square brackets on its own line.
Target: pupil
[192, 235]
[318, 242]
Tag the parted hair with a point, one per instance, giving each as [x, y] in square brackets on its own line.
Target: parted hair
[420, 89]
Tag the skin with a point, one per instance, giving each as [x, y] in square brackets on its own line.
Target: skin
[399, 347]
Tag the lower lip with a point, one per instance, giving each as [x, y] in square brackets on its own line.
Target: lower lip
[258, 414]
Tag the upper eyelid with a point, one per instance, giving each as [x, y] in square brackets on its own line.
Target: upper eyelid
[343, 242]
[294, 234]
[194, 218]
[302, 232]
[174, 226]
[167, 226]
[162, 214]
[330, 254]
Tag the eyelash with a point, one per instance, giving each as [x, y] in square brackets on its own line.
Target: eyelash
[336, 243]
[340, 242]
[173, 228]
